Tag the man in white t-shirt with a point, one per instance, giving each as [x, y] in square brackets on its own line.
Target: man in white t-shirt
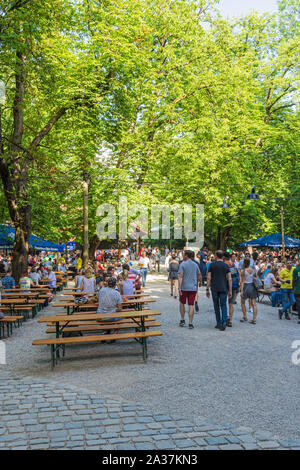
[51, 278]
[145, 265]
[35, 276]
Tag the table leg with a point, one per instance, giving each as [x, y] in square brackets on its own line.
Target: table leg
[144, 340]
[52, 356]
[57, 336]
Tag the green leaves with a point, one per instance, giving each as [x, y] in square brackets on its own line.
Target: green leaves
[149, 96]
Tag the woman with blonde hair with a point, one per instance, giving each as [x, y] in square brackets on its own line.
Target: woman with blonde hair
[78, 278]
[88, 283]
[125, 285]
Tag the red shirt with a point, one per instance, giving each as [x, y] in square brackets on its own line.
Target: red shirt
[133, 278]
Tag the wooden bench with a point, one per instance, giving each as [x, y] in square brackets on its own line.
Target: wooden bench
[91, 322]
[24, 309]
[261, 293]
[8, 321]
[111, 326]
[56, 343]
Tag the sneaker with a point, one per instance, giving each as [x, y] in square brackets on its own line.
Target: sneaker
[196, 307]
[191, 327]
[223, 327]
[280, 313]
[250, 310]
[287, 317]
[182, 323]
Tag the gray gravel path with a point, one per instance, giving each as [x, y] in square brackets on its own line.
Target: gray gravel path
[243, 376]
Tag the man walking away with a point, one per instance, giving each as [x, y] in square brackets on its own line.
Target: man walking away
[189, 277]
[157, 257]
[286, 288]
[288, 299]
[235, 278]
[296, 288]
[219, 279]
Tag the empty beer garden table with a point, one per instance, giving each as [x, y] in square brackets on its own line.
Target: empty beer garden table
[11, 303]
[96, 293]
[20, 294]
[68, 304]
[32, 289]
[62, 321]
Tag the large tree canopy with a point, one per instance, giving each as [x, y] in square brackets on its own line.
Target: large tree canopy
[163, 102]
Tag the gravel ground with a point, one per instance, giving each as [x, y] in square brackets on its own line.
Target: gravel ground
[243, 376]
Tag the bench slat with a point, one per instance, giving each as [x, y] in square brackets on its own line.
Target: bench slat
[111, 326]
[95, 322]
[95, 339]
[99, 316]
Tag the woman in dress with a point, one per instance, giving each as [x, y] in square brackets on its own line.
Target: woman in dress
[173, 275]
[248, 291]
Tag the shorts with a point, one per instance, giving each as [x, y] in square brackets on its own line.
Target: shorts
[233, 297]
[187, 296]
[249, 291]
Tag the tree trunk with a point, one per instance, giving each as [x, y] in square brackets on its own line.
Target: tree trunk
[94, 243]
[21, 218]
[223, 236]
[85, 254]
[21, 245]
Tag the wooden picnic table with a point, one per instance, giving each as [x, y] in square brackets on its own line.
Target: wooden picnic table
[137, 303]
[11, 303]
[62, 321]
[96, 293]
[32, 288]
[17, 295]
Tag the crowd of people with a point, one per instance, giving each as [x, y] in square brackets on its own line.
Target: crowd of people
[111, 277]
[226, 274]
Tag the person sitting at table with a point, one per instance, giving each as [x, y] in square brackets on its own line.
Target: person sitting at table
[2, 267]
[105, 278]
[110, 301]
[125, 285]
[54, 266]
[35, 276]
[78, 262]
[112, 272]
[270, 281]
[8, 281]
[78, 278]
[62, 267]
[25, 282]
[88, 283]
[51, 278]
[1, 314]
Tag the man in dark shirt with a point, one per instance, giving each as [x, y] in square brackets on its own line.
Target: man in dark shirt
[202, 255]
[219, 280]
